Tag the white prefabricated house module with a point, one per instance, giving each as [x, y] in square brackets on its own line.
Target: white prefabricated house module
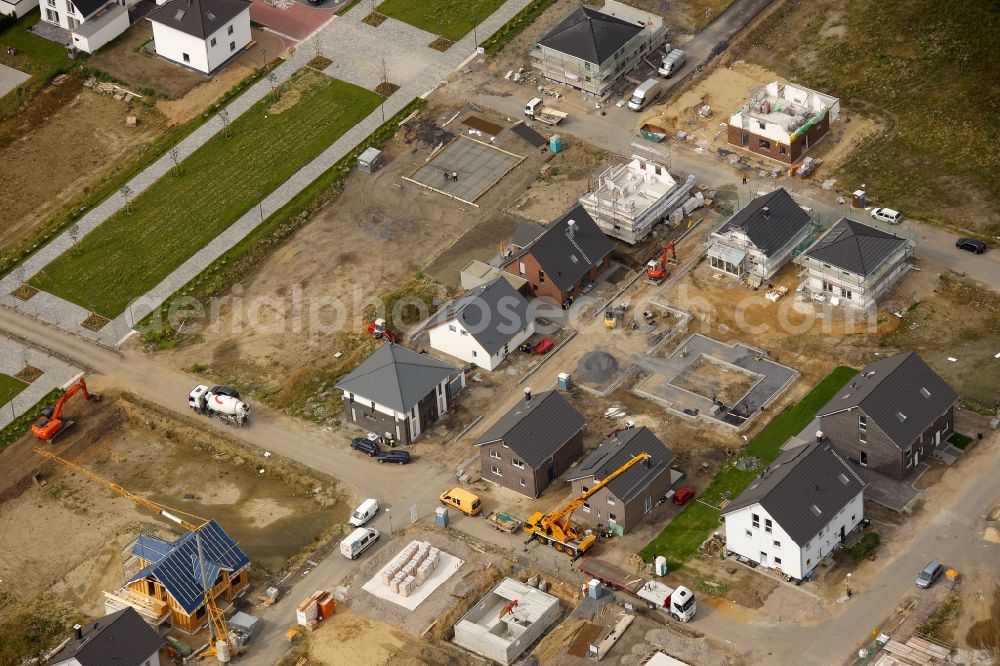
[630, 198]
[782, 121]
[507, 621]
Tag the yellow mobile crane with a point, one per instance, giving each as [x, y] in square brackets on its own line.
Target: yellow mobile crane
[217, 623]
[557, 528]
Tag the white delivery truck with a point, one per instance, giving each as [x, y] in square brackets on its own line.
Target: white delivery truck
[647, 93]
[672, 62]
[358, 542]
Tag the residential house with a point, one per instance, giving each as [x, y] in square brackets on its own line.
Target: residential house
[17, 8]
[853, 264]
[121, 638]
[483, 325]
[90, 24]
[624, 502]
[398, 391]
[202, 35]
[891, 415]
[532, 444]
[782, 121]
[560, 261]
[761, 237]
[797, 510]
[163, 580]
[630, 199]
[593, 49]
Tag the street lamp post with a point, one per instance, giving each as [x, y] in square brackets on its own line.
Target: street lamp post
[475, 36]
[264, 52]
[388, 515]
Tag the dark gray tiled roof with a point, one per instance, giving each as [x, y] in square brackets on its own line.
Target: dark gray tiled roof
[802, 490]
[618, 450]
[565, 260]
[396, 377]
[900, 394]
[590, 35]
[88, 7]
[200, 18]
[492, 314]
[855, 247]
[525, 233]
[122, 638]
[784, 219]
[535, 430]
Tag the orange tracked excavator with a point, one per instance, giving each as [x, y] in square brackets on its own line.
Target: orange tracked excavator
[50, 424]
[657, 270]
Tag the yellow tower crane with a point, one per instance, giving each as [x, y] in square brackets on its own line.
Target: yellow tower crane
[557, 528]
[189, 521]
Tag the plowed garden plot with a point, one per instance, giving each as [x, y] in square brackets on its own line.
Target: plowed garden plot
[133, 251]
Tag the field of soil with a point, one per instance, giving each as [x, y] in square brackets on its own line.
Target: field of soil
[66, 537]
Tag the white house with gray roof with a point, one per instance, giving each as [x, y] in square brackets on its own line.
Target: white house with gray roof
[201, 34]
[483, 325]
[853, 264]
[797, 510]
[89, 24]
[623, 503]
[400, 392]
[761, 237]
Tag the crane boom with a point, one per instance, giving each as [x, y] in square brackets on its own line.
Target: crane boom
[217, 623]
[563, 513]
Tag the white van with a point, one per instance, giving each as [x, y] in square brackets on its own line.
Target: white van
[672, 62]
[645, 94]
[364, 513]
[887, 215]
[358, 542]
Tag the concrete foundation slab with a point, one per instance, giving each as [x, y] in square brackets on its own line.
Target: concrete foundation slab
[478, 166]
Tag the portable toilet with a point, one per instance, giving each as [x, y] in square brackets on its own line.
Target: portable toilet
[660, 565]
[441, 516]
[858, 199]
[556, 144]
[594, 589]
[370, 160]
[564, 382]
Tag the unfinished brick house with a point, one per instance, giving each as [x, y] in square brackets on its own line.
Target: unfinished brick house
[782, 121]
[562, 260]
[163, 579]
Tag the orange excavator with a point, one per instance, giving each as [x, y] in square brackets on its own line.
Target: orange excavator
[50, 424]
[656, 269]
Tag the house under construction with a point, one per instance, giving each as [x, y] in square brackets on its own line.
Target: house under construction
[163, 579]
[631, 198]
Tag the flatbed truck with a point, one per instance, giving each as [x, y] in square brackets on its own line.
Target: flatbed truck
[677, 602]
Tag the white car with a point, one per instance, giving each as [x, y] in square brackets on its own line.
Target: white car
[887, 215]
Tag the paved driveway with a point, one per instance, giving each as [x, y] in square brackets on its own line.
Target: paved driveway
[11, 78]
[295, 23]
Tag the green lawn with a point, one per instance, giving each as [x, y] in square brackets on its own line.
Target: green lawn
[680, 539]
[38, 57]
[132, 252]
[451, 19]
[10, 387]
[959, 441]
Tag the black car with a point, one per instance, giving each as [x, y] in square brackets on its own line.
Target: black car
[971, 244]
[365, 445]
[397, 456]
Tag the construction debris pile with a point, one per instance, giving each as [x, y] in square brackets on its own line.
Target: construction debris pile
[320, 605]
[410, 568]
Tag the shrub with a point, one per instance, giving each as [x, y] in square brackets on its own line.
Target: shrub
[865, 546]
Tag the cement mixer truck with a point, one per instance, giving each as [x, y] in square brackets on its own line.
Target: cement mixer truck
[221, 402]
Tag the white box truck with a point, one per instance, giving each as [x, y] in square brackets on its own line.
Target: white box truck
[647, 93]
[672, 62]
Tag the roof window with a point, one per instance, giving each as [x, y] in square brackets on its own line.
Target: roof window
[901, 416]
[179, 15]
[815, 510]
[843, 478]
[210, 16]
[924, 392]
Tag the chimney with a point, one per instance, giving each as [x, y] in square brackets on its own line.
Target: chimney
[766, 212]
[571, 229]
[527, 395]
[78, 632]
[819, 436]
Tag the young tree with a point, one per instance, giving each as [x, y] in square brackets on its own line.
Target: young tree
[126, 193]
[175, 157]
[224, 117]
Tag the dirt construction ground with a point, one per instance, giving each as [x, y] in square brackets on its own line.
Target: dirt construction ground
[73, 148]
[66, 537]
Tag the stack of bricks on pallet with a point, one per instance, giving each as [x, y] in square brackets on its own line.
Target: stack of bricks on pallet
[410, 568]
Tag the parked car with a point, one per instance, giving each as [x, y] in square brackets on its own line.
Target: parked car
[931, 573]
[683, 495]
[397, 456]
[971, 244]
[887, 215]
[365, 445]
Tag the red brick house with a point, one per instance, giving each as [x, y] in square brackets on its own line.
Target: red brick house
[561, 260]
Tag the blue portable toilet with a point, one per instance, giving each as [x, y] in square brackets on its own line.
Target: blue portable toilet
[556, 143]
[441, 516]
[563, 381]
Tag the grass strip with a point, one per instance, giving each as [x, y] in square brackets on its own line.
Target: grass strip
[680, 539]
[452, 19]
[515, 26]
[20, 425]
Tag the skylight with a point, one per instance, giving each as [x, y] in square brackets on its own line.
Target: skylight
[843, 478]
[815, 510]
[901, 416]
[924, 392]
[210, 16]
[573, 258]
[179, 15]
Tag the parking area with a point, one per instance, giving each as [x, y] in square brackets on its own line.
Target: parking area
[294, 23]
[465, 169]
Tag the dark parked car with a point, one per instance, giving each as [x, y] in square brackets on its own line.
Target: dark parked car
[365, 445]
[397, 456]
[931, 573]
[971, 244]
